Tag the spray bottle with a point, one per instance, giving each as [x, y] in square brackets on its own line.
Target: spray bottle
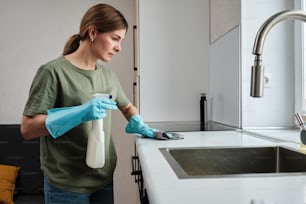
[95, 155]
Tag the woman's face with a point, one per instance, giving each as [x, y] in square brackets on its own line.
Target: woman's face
[106, 45]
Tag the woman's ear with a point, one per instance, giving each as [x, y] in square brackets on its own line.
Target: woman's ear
[92, 32]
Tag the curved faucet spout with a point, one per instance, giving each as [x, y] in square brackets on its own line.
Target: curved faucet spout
[257, 77]
[270, 22]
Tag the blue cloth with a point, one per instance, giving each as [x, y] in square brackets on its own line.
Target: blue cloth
[61, 120]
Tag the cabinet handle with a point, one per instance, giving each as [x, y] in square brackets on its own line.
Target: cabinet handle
[134, 46]
[135, 167]
[136, 171]
[134, 92]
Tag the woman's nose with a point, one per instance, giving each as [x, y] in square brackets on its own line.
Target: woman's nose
[118, 48]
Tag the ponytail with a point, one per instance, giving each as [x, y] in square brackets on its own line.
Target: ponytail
[72, 44]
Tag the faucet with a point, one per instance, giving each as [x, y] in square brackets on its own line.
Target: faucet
[257, 75]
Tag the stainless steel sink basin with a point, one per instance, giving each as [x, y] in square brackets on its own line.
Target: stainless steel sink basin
[234, 161]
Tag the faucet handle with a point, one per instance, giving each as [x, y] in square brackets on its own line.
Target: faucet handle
[302, 126]
[300, 121]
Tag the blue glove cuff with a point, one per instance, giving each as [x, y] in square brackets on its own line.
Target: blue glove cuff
[136, 125]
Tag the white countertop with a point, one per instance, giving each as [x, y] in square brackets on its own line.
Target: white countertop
[163, 186]
[286, 135]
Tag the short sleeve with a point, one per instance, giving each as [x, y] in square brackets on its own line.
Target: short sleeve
[122, 100]
[43, 92]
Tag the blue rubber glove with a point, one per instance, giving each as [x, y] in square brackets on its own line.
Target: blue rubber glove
[61, 120]
[136, 125]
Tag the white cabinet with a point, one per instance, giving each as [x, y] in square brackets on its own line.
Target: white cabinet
[173, 58]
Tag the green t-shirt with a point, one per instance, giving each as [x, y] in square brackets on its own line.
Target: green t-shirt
[61, 84]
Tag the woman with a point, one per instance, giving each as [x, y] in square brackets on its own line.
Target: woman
[60, 105]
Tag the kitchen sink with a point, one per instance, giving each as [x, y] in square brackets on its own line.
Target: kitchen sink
[234, 161]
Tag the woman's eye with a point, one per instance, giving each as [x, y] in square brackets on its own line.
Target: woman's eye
[115, 39]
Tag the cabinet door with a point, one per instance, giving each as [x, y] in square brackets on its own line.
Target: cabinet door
[173, 58]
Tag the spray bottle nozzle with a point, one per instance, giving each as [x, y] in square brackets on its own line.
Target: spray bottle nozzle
[99, 95]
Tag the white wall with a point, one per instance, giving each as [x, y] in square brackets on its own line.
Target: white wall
[224, 62]
[173, 57]
[34, 32]
[276, 108]
[224, 99]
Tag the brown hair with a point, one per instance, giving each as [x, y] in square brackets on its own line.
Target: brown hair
[104, 17]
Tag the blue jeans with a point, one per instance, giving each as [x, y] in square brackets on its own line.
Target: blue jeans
[54, 195]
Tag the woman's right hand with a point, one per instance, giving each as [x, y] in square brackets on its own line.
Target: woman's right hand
[96, 108]
[61, 120]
